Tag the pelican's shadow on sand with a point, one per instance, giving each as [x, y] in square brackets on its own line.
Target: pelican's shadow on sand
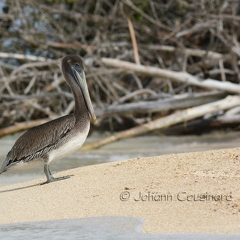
[34, 185]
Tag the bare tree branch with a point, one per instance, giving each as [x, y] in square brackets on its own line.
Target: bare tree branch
[176, 76]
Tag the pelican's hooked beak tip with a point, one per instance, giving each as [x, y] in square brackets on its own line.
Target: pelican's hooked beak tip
[94, 120]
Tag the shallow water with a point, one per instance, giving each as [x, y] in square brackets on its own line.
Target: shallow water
[144, 146]
[95, 228]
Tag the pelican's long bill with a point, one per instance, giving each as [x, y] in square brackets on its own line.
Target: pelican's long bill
[80, 78]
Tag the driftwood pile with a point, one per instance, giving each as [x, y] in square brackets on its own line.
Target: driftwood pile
[150, 65]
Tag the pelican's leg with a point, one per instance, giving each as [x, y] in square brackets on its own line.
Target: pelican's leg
[49, 172]
[49, 175]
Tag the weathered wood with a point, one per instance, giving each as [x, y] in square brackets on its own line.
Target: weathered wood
[188, 51]
[21, 126]
[175, 102]
[200, 125]
[175, 76]
[134, 41]
[23, 57]
[175, 118]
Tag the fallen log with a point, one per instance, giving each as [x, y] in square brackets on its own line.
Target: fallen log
[175, 118]
[200, 125]
[21, 126]
[181, 101]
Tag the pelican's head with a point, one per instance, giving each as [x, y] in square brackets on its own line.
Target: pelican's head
[72, 68]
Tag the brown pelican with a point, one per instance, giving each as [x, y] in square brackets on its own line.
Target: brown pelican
[60, 137]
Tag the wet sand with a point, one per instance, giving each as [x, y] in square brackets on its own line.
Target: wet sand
[188, 192]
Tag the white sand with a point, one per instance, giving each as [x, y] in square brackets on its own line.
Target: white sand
[167, 184]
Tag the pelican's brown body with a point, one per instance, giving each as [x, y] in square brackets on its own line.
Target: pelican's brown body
[60, 137]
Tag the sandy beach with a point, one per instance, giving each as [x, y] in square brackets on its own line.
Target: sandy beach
[190, 192]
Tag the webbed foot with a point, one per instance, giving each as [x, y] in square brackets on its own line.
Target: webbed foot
[52, 179]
